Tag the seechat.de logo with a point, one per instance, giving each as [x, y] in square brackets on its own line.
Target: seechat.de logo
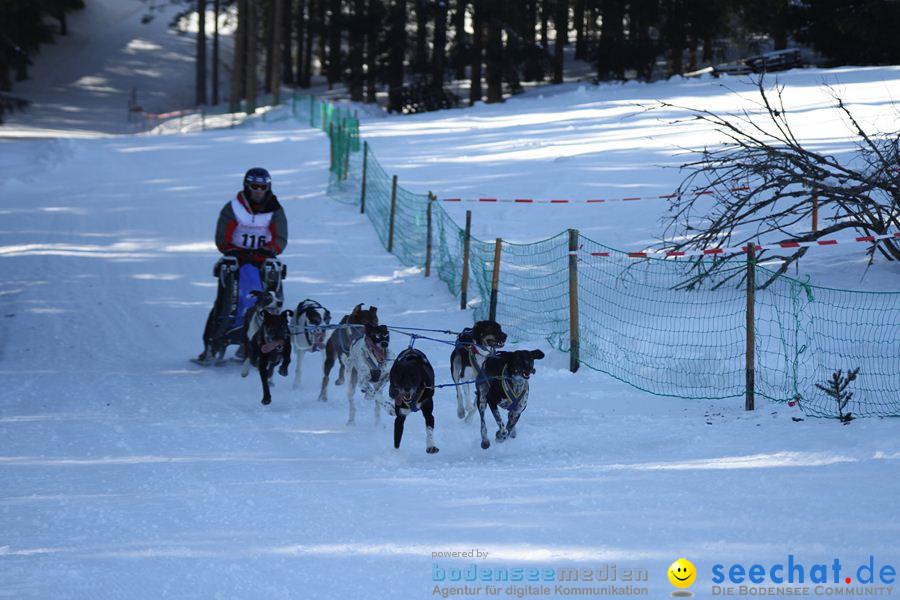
[682, 574]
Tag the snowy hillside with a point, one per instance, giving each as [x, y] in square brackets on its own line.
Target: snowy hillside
[129, 472]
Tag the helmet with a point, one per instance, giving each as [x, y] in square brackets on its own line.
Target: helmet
[257, 176]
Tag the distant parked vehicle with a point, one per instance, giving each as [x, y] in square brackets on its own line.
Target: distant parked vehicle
[778, 60]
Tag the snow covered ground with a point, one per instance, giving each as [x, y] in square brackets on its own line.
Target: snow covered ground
[581, 142]
[128, 472]
[81, 84]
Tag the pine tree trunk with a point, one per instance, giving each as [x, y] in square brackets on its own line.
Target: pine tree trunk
[300, 28]
[287, 46]
[534, 54]
[306, 81]
[512, 53]
[580, 38]
[611, 59]
[708, 48]
[459, 25]
[215, 56]
[692, 54]
[252, 24]
[357, 41]
[277, 31]
[545, 19]
[397, 40]
[477, 48]
[268, 17]
[642, 15]
[674, 36]
[493, 58]
[334, 44]
[421, 60]
[372, 30]
[561, 24]
[200, 80]
[319, 26]
[439, 51]
[240, 51]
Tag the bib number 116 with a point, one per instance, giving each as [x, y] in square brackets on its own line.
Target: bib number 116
[253, 241]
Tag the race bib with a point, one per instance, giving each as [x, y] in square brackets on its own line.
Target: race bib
[252, 231]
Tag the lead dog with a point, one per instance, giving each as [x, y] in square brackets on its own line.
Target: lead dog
[412, 390]
[472, 346]
[267, 340]
[504, 384]
[368, 366]
[338, 346]
[307, 333]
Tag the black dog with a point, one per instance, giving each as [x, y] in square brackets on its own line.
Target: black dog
[267, 340]
[504, 384]
[412, 389]
[473, 345]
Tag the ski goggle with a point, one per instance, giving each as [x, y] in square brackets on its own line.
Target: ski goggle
[263, 180]
[258, 186]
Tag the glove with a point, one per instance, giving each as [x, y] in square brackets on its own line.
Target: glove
[239, 253]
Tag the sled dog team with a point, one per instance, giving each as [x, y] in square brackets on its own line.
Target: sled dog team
[360, 346]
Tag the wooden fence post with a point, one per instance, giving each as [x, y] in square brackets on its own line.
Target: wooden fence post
[751, 337]
[347, 152]
[574, 329]
[312, 111]
[464, 286]
[815, 210]
[339, 155]
[390, 247]
[495, 280]
[331, 146]
[428, 235]
[362, 194]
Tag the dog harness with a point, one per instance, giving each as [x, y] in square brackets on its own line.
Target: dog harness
[480, 375]
[370, 357]
[312, 305]
[345, 339]
[511, 397]
[414, 404]
[255, 323]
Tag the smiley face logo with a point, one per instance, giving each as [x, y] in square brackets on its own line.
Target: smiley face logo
[682, 573]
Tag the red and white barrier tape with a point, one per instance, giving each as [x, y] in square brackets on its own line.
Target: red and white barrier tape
[591, 201]
[739, 249]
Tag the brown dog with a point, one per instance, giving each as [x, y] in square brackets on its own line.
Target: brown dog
[338, 345]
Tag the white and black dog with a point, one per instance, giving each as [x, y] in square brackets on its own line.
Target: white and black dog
[472, 346]
[368, 366]
[412, 390]
[307, 332]
[337, 348]
[504, 384]
[266, 340]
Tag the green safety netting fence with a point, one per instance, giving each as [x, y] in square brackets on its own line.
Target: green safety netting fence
[635, 323]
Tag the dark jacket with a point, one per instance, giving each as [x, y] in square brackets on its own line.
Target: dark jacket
[228, 222]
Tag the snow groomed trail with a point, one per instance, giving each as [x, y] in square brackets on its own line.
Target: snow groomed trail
[129, 472]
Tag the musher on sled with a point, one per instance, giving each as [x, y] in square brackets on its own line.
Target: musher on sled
[251, 232]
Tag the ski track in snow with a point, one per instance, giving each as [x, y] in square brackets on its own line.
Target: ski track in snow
[122, 457]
